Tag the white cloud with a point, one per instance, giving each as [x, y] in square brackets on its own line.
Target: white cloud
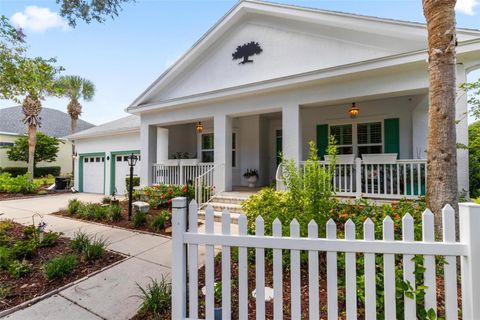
[466, 6]
[38, 20]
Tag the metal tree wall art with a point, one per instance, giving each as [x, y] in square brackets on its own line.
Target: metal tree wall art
[247, 50]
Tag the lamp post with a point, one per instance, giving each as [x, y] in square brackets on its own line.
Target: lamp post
[132, 161]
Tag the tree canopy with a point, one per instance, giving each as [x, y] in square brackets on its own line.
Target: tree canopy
[46, 149]
[90, 10]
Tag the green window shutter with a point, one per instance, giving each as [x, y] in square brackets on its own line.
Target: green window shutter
[322, 139]
[392, 135]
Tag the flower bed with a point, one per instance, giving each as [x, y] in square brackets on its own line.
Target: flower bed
[157, 220]
[32, 264]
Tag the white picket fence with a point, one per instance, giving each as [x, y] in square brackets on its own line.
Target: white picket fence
[187, 243]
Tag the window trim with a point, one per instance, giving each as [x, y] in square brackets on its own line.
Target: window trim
[200, 149]
[354, 124]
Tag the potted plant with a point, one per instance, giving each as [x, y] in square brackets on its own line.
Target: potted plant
[217, 294]
[252, 176]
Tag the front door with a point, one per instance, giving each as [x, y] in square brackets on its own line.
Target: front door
[278, 149]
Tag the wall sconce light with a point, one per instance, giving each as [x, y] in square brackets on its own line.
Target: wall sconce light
[75, 155]
[354, 110]
[199, 127]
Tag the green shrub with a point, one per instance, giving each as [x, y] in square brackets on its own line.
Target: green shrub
[46, 171]
[5, 240]
[59, 267]
[136, 182]
[115, 213]
[106, 200]
[49, 239]
[15, 171]
[100, 212]
[23, 249]
[156, 297]
[73, 206]
[29, 232]
[79, 241]
[158, 223]
[139, 219]
[19, 184]
[94, 249]
[93, 211]
[19, 269]
[5, 257]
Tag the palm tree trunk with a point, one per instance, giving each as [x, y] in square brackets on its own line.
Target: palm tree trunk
[442, 154]
[32, 142]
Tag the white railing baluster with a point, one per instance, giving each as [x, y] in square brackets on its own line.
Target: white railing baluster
[193, 261]
[242, 271]
[450, 266]
[408, 266]
[313, 296]
[389, 272]
[260, 271]
[430, 279]
[295, 273]
[332, 291]
[350, 274]
[209, 266]
[277, 274]
[370, 278]
[226, 273]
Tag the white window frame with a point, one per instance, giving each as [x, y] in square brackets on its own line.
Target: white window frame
[200, 150]
[354, 124]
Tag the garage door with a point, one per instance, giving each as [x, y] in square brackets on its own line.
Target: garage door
[93, 174]
[122, 170]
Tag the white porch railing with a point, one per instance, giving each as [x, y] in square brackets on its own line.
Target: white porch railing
[178, 173]
[392, 180]
[186, 243]
[209, 183]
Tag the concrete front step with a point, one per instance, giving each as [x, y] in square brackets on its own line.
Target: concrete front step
[217, 216]
[230, 207]
[228, 199]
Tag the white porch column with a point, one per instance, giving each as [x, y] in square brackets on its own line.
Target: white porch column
[162, 144]
[291, 133]
[222, 131]
[148, 151]
[461, 115]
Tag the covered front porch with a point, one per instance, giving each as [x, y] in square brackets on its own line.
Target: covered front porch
[382, 150]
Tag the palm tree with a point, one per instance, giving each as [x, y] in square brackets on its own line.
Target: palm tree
[76, 88]
[31, 107]
[442, 154]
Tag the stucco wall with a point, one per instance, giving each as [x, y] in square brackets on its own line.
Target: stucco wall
[64, 156]
[107, 144]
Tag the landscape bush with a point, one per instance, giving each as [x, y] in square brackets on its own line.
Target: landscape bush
[19, 269]
[156, 297]
[79, 241]
[50, 238]
[60, 266]
[73, 206]
[23, 249]
[161, 195]
[115, 213]
[139, 219]
[19, 184]
[136, 181]
[5, 257]
[90, 247]
[38, 172]
[158, 223]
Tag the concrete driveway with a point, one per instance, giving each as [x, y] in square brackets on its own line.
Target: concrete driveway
[110, 294]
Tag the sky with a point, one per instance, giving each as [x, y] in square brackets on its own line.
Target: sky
[125, 55]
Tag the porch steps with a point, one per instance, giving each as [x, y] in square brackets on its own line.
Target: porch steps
[230, 201]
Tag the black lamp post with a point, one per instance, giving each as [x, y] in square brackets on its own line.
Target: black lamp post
[132, 161]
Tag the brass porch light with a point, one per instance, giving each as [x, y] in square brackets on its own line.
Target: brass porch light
[199, 127]
[354, 110]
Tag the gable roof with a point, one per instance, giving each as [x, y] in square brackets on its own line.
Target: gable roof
[54, 122]
[126, 124]
[405, 29]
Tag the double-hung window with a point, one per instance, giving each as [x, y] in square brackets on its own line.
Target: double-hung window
[207, 150]
[361, 138]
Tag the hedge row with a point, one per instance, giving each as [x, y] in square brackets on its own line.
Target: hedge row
[38, 172]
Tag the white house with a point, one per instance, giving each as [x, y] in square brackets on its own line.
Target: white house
[297, 75]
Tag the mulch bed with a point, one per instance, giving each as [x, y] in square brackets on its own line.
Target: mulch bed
[16, 196]
[36, 284]
[125, 223]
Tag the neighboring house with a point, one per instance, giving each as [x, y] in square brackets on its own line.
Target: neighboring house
[54, 123]
[269, 78]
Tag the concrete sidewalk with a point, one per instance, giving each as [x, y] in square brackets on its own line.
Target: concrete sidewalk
[110, 294]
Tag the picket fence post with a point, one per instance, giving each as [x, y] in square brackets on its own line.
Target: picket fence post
[179, 272]
[470, 264]
[358, 178]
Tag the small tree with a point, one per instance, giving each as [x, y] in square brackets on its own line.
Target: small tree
[46, 149]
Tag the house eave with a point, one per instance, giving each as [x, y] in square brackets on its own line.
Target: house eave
[101, 134]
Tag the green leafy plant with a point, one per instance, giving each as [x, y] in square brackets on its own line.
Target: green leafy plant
[115, 213]
[60, 267]
[94, 249]
[79, 241]
[19, 184]
[106, 200]
[217, 293]
[49, 239]
[5, 225]
[156, 297]
[139, 219]
[5, 257]
[23, 249]
[4, 291]
[73, 206]
[158, 223]
[46, 149]
[19, 269]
